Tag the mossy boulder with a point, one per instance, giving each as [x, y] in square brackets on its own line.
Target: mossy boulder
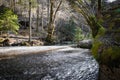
[106, 50]
[108, 55]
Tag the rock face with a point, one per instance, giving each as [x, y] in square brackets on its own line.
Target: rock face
[106, 46]
[108, 55]
[107, 73]
[63, 64]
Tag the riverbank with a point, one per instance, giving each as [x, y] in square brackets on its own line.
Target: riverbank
[6, 52]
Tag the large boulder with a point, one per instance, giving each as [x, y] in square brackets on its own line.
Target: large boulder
[85, 44]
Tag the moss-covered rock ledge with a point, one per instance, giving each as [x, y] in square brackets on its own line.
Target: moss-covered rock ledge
[106, 50]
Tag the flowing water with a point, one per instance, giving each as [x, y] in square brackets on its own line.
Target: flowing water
[62, 64]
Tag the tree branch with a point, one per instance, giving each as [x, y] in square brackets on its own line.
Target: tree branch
[57, 10]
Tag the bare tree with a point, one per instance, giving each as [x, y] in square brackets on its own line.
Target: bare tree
[89, 13]
[51, 26]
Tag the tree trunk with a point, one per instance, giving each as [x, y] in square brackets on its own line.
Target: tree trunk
[37, 26]
[14, 4]
[11, 4]
[30, 29]
[42, 16]
[1, 2]
[99, 9]
[48, 10]
[51, 26]
[95, 29]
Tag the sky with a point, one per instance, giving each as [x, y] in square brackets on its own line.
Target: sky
[111, 0]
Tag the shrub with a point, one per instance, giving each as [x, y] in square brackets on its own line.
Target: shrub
[8, 20]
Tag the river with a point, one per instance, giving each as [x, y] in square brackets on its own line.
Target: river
[62, 64]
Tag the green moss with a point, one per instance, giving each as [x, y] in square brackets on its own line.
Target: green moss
[110, 55]
[1, 40]
[95, 48]
[97, 45]
[106, 55]
[101, 32]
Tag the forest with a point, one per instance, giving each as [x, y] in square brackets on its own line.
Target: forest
[84, 24]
